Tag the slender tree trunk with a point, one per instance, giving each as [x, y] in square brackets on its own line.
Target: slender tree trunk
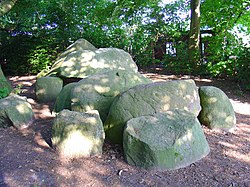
[194, 35]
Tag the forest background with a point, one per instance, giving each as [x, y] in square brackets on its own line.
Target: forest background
[156, 33]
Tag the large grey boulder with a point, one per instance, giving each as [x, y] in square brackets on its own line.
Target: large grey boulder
[76, 134]
[149, 99]
[63, 100]
[83, 63]
[97, 92]
[217, 111]
[79, 45]
[15, 111]
[48, 88]
[169, 140]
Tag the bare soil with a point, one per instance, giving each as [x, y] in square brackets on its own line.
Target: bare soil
[27, 159]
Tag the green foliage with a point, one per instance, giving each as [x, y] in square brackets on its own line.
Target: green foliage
[33, 32]
[17, 89]
[40, 59]
[243, 67]
[4, 92]
[178, 64]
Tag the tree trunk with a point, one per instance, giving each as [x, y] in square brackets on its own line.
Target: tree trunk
[194, 35]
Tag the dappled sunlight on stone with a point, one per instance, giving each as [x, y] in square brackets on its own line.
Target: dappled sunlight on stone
[77, 134]
[91, 120]
[212, 100]
[22, 109]
[188, 136]
[99, 90]
[83, 63]
[86, 55]
[168, 140]
[102, 89]
[98, 64]
[77, 145]
[148, 99]
[182, 87]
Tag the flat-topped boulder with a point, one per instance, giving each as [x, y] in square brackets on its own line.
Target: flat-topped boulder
[97, 92]
[169, 140]
[77, 134]
[217, 110]
[15, 111]
[149, 99]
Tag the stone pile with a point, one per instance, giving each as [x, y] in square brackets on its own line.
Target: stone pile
[158, 124]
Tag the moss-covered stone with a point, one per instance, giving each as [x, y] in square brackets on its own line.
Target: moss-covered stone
[217, 111]
[63, 100]
[169, 140]
[97, 92]
[15, 111]
[48, 88]
[149, 99]
[77, 134]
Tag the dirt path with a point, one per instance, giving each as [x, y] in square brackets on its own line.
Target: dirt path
[26, 158]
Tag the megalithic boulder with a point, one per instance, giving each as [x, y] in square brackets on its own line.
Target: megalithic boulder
[164, 141]
[147, 99]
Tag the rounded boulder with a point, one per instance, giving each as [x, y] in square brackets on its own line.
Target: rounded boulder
[217, 110]
[15, 111]
[48, 88]
[97, 92]
[149, 99]
[164, 141]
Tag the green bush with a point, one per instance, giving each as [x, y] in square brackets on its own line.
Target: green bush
[243, 67]
[4, 92]
[4, 89]
[40, 59]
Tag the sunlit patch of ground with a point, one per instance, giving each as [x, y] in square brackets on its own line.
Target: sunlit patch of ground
[241, 107]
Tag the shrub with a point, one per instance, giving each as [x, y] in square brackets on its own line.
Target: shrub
[39, 59]
[4, 92]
